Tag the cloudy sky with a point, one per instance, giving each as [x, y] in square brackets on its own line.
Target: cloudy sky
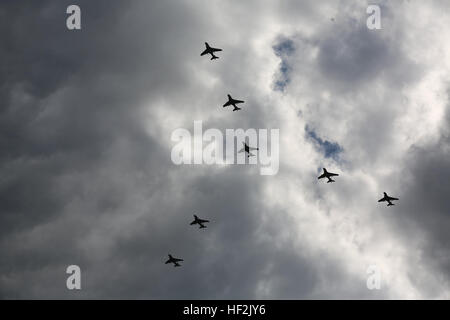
[86, 178]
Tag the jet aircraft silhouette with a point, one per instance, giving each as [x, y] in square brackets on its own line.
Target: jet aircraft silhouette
[174, 261]
[388, 199]
[233, 102]
[248, 150]
[199, 221]
[328, 175]
[210, 50]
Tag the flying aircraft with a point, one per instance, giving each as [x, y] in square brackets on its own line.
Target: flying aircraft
[199, 221]
[174, 261]
[210, 50]
[388, 199]
[233, 102]
[328, 175]
[247, 149]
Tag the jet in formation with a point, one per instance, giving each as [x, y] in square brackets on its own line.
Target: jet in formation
[248, 150]
[174, 261]
[328, 175]
[233, 102]
[388, 199]
[199, 221]
[210, 50]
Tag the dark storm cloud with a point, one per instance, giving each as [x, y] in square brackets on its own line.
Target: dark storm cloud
[68, 100]
[41, 141]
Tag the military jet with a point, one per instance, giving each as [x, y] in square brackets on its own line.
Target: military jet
[199, 221]
[248, 150]
[328, 175]
[174, 261]
[233, 102]
[210, 50]
[388, 199]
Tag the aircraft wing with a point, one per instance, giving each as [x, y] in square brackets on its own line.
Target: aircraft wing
[202, 221]
[204, 52]
[168, 261]
[238, 101]
[193, 222]
[323, 175]
[392, 198]
[229, 103]
[215, 49]
[382, 199]
[176, 260]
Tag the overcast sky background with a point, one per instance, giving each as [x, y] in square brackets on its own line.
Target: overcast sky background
[86, 178]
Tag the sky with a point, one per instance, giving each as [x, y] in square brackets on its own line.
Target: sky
[86, 176]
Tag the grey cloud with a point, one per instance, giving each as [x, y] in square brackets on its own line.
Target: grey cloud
[424, 214]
